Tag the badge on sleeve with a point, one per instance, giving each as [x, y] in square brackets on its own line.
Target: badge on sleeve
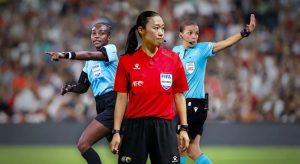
[166, 81]
[190, 67]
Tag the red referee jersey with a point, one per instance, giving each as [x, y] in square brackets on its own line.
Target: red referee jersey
[151, 83]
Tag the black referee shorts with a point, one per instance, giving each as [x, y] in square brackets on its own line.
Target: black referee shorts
[105, 105]
[151, 136]
[196, 115]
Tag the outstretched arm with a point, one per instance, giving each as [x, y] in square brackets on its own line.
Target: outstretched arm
[221, 45]
[80, 55]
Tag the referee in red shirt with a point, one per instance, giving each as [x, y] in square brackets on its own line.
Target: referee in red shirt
[150, 79]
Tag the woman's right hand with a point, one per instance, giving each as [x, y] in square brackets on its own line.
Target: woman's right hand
[55, 56]
[66, 88]
[115, 143]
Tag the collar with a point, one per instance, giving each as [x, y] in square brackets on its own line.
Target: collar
[145, 56]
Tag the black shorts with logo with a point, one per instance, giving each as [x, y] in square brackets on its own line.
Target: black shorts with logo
[105, 106]
[196, 115]
[151, 136]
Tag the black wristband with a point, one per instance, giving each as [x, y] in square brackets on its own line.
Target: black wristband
[66, 55]
[245, 33]
[114, 131]
[69, 55]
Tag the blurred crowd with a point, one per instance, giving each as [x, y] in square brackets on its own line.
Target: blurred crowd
[256, 80]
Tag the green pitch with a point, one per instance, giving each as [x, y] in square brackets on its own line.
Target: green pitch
[219, 155]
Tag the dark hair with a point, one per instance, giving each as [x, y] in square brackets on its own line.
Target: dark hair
[142, 20]
[186, 23]
[107, 25]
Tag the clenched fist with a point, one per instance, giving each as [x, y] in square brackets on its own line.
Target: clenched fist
[66, 88]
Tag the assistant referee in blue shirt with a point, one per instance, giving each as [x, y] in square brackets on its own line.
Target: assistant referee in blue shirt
[99, 73]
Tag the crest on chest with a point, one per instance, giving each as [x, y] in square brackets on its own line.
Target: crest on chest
[190, 67]
[166, 80]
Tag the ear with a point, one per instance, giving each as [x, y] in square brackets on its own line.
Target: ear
[180, 35]
[140, 30]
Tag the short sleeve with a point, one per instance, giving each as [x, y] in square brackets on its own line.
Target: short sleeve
[111, 51]
[176, 49]
[85, 68]
[121, 78]
[207, 48]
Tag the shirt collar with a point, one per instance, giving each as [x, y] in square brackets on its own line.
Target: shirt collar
[145, 56]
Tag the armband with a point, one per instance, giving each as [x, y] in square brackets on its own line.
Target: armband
[69, 55]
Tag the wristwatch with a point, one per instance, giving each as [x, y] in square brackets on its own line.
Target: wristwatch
[114, 131]
[182, 128]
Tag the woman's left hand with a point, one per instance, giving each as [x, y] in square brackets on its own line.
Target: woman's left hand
[184, 140]
[115, 143]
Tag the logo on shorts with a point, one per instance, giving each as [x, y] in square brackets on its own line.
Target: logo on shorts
[174, 159]
[190, 67]
[166, 80]
[195, 109]
[126, 159]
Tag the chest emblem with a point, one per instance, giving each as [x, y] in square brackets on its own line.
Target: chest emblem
[96, 70]
[190, 67]
[166, 81]
[137, 66]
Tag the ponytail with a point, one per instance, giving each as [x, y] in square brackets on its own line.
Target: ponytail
[132, 41]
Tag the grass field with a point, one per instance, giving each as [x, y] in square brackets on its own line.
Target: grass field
[219, 155]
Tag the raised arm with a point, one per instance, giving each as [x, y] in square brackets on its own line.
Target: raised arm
[221, 45]
[80, 55]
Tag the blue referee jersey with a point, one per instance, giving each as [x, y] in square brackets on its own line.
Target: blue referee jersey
[101, 74]
[194, 62]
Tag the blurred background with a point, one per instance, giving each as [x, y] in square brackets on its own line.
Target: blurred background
[255, 81]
